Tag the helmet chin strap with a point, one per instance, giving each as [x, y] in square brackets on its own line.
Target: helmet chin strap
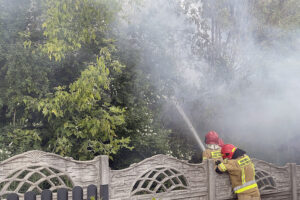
[213, 146]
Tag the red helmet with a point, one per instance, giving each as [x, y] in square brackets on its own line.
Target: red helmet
[212, 138]
[221, 143]
[227, 151]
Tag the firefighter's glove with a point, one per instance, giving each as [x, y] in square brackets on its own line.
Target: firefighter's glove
[218, 171]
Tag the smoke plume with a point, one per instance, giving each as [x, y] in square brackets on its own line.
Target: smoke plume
[248, 89]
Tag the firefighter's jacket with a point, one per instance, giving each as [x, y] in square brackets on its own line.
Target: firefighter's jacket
[212, 154]
[242, 174]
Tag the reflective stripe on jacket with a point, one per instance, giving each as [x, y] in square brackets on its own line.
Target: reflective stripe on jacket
[246, 186]
[212, 154]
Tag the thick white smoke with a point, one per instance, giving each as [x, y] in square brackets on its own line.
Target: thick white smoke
[254, 107]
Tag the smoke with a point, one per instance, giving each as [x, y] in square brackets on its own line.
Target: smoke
[263, 116]
[245, 89]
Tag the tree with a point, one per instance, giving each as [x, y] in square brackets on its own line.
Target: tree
[21, 74]
[81, 116]
[142, 116]
[71, 24]
[26, 82]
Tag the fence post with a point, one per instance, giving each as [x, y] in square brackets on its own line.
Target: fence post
[30, 196]
[211, 174]
[104, 177]
[92, 192]
[77, 193]
[62, 194]
[293, 174]
[12, 196]
[46, 195]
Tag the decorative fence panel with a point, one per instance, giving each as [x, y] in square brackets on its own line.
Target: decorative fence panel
[36, 171]
[135, 182]
[161, 177]
[46, 176]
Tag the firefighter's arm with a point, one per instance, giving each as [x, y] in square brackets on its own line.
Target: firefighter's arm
[223, 167]
[220, 167]
[217, 169]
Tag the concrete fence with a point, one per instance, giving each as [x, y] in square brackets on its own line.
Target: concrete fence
[199, 180]
[161, 177]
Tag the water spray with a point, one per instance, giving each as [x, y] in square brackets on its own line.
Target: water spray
[186, 119]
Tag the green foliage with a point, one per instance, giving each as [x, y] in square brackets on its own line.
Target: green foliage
[82, 112]
[281, 14]
[22, 74]
[70, 24]
[275, 20]
[92, 198]
[134, 91]
[41, 101]
[18, 141]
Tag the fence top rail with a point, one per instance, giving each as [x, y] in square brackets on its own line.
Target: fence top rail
[40, 154]
[163, 157]
[160, 157]
[262, 162]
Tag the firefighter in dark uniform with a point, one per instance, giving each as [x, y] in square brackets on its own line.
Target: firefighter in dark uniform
[241, 172]
[213, 146]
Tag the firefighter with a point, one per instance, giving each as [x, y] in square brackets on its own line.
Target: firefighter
[213, 146]
[241, 172]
